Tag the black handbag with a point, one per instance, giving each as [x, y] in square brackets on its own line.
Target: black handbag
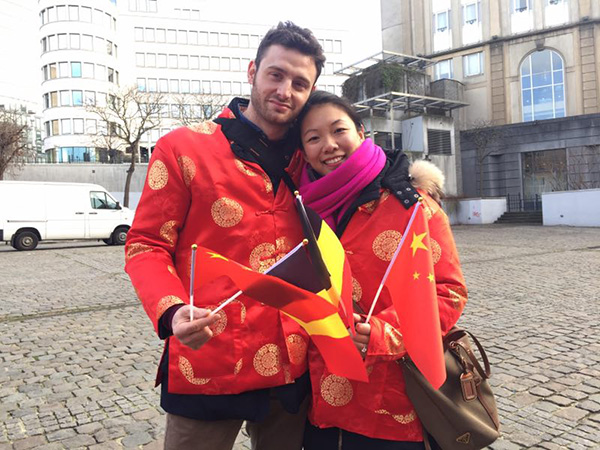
[462, 413]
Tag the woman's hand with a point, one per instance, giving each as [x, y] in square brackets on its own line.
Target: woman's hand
[362, 335]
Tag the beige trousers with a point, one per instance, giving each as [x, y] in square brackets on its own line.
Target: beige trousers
[279, 431]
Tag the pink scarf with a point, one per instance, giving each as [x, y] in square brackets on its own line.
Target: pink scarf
[332, 195]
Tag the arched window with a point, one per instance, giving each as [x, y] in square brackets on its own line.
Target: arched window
[542, 86]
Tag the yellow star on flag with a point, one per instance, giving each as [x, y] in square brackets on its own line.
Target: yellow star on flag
[431, 278]
[417, 242]
[416, 275]
[216, 256]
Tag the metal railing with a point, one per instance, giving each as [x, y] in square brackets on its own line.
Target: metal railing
[519, 203]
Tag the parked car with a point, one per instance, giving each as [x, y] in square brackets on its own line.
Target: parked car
[33, 211]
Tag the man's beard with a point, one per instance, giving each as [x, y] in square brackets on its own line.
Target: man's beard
[260, 105]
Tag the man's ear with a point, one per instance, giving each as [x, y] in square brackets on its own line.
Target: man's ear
[251, 72]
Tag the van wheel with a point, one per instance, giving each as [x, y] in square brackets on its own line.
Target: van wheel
[26, 240]
[119, 236]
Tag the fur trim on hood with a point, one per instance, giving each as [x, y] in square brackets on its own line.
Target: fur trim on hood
[427, 177]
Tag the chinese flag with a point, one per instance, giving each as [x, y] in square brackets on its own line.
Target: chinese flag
[411, 284]
[317, 315]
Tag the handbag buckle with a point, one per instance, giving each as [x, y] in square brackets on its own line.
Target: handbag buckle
[468, 386]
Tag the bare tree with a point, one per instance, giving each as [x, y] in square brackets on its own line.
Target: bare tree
[15, 146]
[193, 108]
[483, 136]
[128, 115]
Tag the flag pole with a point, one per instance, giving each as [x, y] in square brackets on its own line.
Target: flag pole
[192, 273]
[389, 267]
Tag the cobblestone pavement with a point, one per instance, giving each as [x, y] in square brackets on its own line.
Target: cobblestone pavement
[78, 355]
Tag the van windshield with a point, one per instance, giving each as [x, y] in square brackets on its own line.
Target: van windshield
[100, 200]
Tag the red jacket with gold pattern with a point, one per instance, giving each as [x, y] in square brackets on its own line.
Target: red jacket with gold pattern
[198, 192]
[381, 409]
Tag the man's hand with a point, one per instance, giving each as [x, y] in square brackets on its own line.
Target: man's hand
[362, 335]
[196, 333]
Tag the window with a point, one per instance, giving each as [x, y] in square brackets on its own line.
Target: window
[77, 98]
[100, 200]
[90, 98]
[90, 126]
[152, 85]
[443, 69]
[111, 75]
[75, 41]
[88, 70]
[54, 99]
[213, 39]
[172, 36]
[163, 85]
[204, 63]
[193, 37]
[203, 38]
[521, 5]
[140, 60]
[86, 42]
[183, 62]
[194, 62]
[52, 42]
[161, 35]
[53, 73]
[234, 40]
[195, 86]
[150, 59]
[214, 63]
[100, 72]
[182, 37]
[65, 98]
[328, 46]
[76, 69]
[62, 41]
[63, 70]
[225, 64]
[51, 14]
[473, 64]
[85, 14]
[173, 61]
[337, 46]
[150, 35]
[235, 64]
[472, 13]
[244, 40]
[55, 130]
[185, 86]
[441, 21]
[542, 86]
[65, 126]
[141, 84]
[175, 86]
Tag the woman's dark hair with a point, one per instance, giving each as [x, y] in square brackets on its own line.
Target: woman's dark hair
[290, 35]
[326, 98]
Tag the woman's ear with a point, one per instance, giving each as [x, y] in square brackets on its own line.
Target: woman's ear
[361, 132]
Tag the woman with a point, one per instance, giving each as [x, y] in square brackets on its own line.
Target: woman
[366, 195]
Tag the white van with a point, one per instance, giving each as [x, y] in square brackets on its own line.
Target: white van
[32, 211]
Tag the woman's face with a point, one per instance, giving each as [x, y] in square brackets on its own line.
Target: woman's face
[329, 137]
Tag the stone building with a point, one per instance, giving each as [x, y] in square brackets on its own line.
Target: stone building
[529, 71]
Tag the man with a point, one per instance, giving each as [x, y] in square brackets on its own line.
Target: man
[227, 186]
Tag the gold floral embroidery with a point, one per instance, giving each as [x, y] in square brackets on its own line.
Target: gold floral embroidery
[400, 418]
[226, 212]
[188, 169]
[158, 175]
[385, 244]
[296, 347]
[219, 326]
[427, 212]
[458, 295]
[238, 366]
[168, 232]
[186, 369]
[207, 127]
[136, 249]
[267, 361]
[165, 303]
[287, 374]
[251, 173]
[172, 270]
[394, 341]
[356, 290]
[266, 254]
[436, 251]
[336, 391]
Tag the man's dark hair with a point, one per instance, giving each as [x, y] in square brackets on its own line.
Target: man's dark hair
[291, 36]
[318, 98]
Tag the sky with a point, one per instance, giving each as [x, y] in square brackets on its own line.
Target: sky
[19, 31]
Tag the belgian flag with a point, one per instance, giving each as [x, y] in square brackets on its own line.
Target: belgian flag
[315, 313]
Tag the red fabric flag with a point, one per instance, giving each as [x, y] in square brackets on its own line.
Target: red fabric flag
[411, 284]
[315, 314]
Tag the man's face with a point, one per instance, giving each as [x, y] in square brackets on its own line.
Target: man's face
[280, 86]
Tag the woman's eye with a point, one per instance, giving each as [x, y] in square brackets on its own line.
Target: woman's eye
[312, 139]
[340, 130]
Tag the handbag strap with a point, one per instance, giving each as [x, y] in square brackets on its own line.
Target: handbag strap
[452, 339]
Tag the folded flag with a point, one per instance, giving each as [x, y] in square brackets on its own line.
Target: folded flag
[329, 261]
[317, 315]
